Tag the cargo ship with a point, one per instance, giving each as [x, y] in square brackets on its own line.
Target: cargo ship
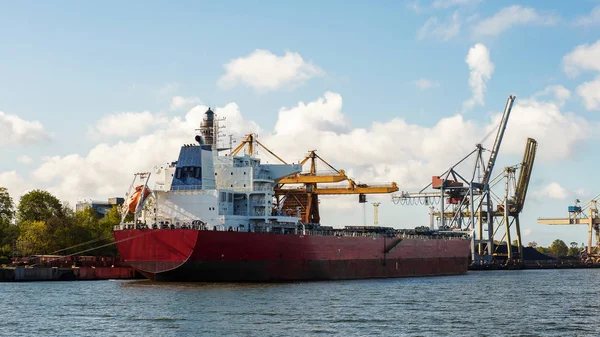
[211, 217]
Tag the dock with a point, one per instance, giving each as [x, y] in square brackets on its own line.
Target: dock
[28, 274]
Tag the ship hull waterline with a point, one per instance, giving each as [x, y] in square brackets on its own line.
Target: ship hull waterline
[216, 256]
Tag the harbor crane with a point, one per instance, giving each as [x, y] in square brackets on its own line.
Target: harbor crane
[306, 197]
[582, 215]
[466, 202]
[300, 192]
[509, 208]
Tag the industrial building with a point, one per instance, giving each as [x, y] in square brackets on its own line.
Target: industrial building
[101, 207]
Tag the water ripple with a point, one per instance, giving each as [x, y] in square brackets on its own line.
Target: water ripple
[490, 303]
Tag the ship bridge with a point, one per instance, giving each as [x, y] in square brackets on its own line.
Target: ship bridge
[194, 169]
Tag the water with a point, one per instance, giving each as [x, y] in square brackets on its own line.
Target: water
[487, 303]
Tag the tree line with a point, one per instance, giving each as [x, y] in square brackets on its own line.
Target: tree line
[42, 224]
[559, 249]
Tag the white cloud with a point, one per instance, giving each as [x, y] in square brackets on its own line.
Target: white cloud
[553, 191]
[543, 120]
[511, 16]
[24, 160]
[125, 124]
[15, 183]
[561, 94]
[590, 92]
[426, 84]
[444, 30]
[266, 71]
[179, 102]
[385, 151]
[107, 169]
[481, 69]
[16, 131]
[583, 57]
[324, 114]
[589, 20]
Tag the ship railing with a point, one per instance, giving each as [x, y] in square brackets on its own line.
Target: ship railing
[262, 188]
[186, 187]
[262, 176]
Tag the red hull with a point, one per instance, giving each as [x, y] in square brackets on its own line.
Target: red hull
[192, 255]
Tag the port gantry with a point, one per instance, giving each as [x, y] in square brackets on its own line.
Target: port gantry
[582, 215]
[466, 201]
[299, 193]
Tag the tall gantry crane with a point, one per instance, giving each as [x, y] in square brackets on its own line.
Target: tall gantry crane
[510, 206]
[582, 215]
[466, 202]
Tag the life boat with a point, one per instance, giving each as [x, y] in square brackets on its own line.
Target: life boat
[132, 202]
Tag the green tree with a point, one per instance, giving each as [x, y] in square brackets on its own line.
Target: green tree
[574, 250]
[34, 238]
[8, 231]
[106, 226]
[90, 235]
[7, 207]
[559, 248]
[73, 229]
[544, 250]
[39, 205]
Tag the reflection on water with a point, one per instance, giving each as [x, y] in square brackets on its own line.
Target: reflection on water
[530, 303]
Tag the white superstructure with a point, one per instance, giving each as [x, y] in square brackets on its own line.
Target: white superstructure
[203, 189]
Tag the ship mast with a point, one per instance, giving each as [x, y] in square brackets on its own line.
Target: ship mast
[210, 130]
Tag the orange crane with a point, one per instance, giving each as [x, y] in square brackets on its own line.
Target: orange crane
[306, 198]
[249, 142]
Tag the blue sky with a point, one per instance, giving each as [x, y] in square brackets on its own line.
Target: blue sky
[70, 66]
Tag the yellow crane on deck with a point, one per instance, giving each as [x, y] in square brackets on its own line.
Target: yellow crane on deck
[305, 198]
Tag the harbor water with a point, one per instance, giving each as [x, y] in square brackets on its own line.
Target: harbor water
[482, 303]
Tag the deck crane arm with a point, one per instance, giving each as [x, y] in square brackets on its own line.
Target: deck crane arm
[498, 141]
[312, 177]
[355, 189]
[249, 141]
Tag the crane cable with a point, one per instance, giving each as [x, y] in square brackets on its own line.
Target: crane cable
[94, 248]
[109, 244]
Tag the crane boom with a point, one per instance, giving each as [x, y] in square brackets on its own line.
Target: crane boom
[498, 141]
[249, 141]
[525, 174]
[359, 189]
